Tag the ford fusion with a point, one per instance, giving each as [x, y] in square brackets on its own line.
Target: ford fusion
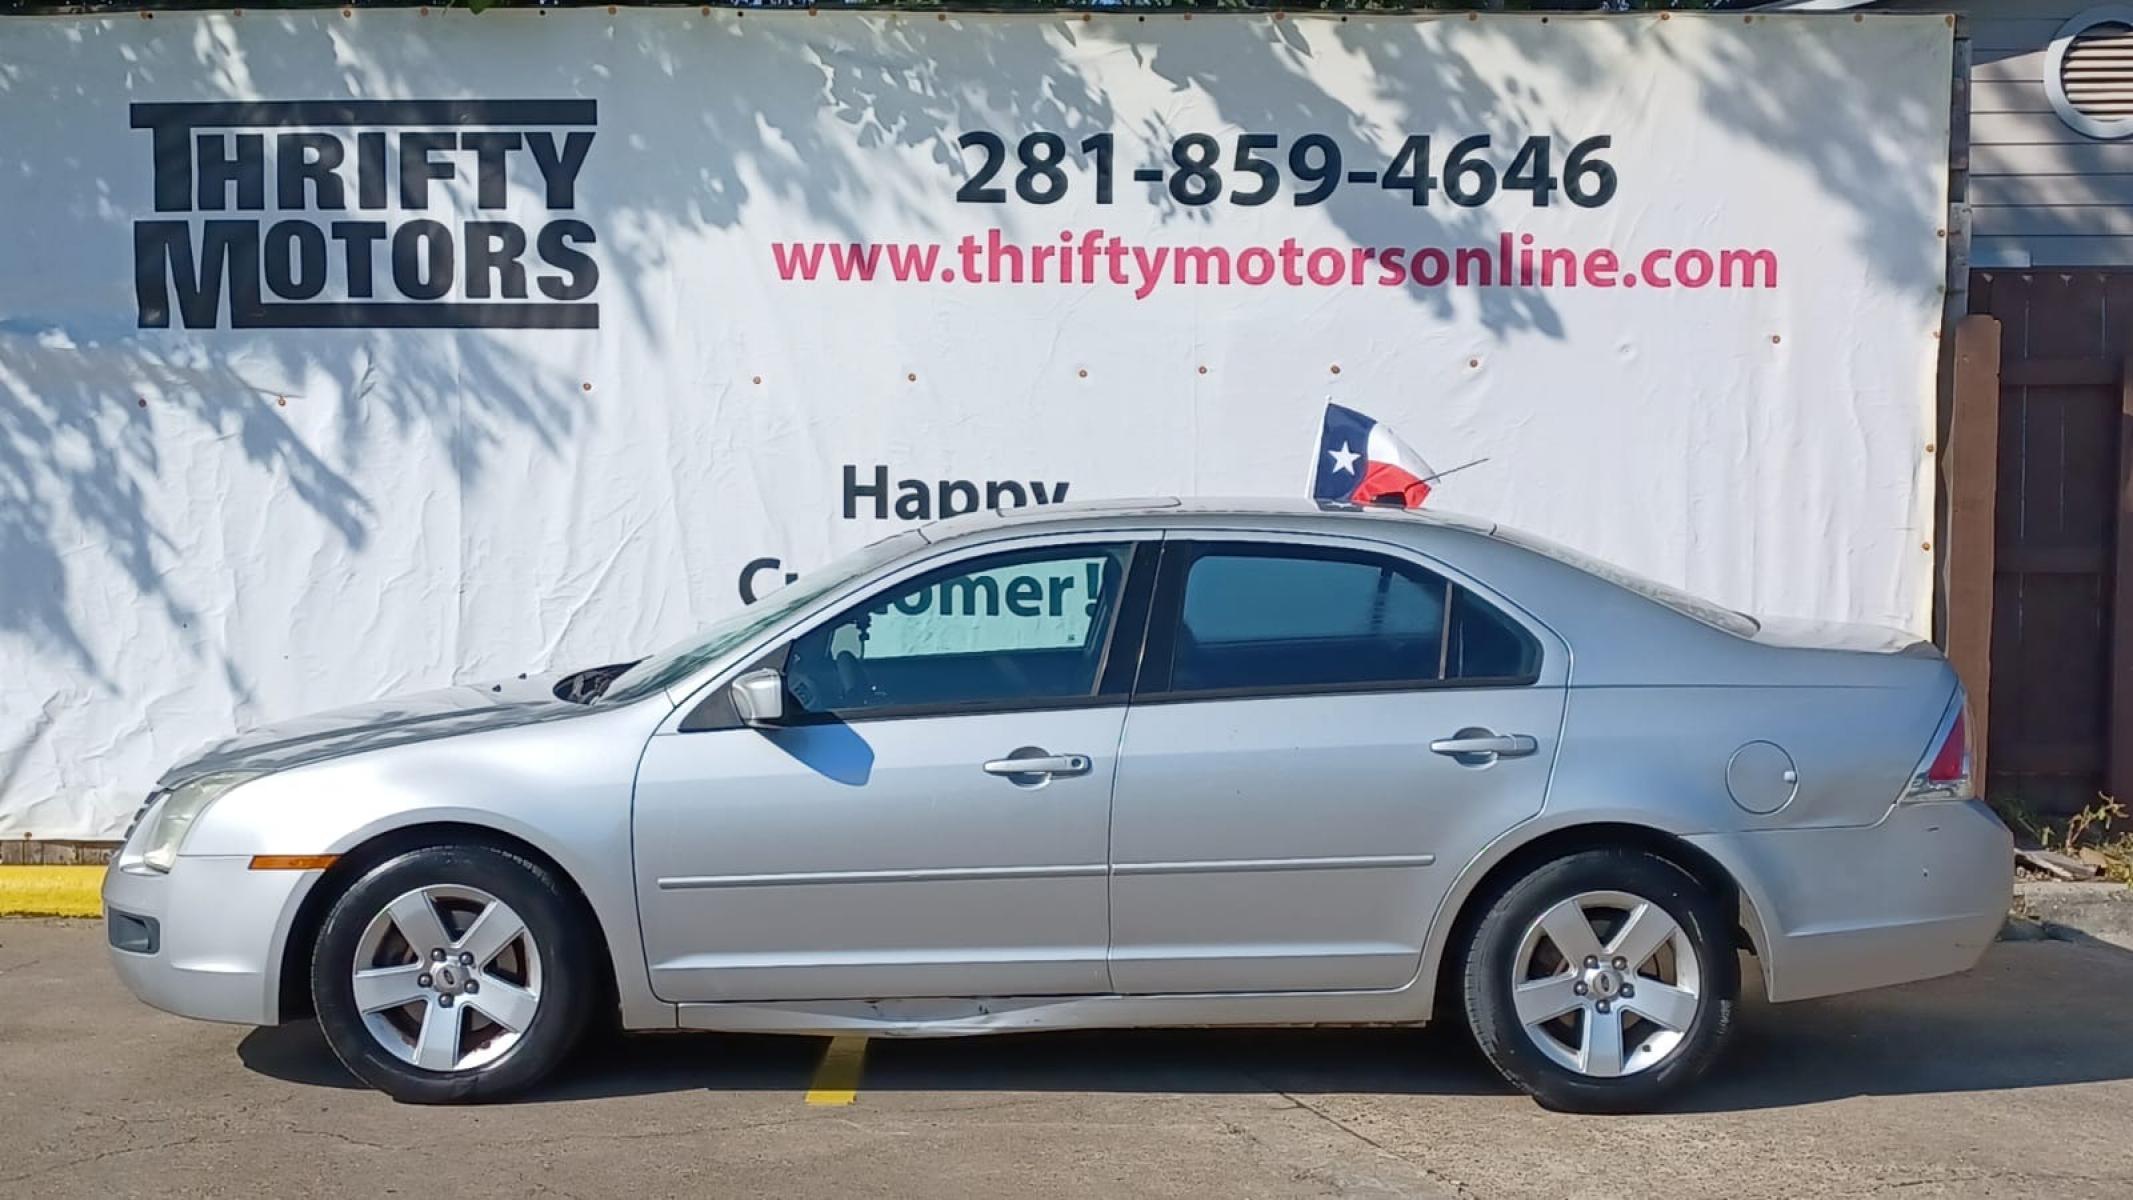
[1167, 763]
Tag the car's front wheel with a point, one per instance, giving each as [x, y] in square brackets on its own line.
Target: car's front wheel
[1604, 981]
[453, 973]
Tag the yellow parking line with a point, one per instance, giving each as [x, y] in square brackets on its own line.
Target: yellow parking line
[837, 1076]
[37, 891]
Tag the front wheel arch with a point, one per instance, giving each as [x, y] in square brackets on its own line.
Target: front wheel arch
[293, 987]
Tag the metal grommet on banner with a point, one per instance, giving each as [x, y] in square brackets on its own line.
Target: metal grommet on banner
[281, 402]
[587, 385]
[758, 379]
[1335, 368]
[1203, 369]
[1082, 373]
[912, 377]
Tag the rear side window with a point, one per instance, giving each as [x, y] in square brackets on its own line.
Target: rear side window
[1254, 618]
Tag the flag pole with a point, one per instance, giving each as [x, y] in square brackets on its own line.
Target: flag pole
[1311, 476]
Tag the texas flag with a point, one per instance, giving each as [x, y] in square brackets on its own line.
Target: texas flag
[1361, 461]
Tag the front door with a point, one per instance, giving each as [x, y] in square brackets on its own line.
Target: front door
[933, 816]
[1324, 735]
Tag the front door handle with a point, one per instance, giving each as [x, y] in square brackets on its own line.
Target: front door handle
[1032, 765]
[1479, 747]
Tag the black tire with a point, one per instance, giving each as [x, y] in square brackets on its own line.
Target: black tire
[1511, 1046]
[568, 981]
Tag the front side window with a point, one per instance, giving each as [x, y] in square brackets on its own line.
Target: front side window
[1273, 618]
[676, 663]
[1006, 630]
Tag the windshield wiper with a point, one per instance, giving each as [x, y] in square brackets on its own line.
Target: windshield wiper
[584, 687]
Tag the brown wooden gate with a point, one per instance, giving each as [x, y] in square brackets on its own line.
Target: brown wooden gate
[2059, 719]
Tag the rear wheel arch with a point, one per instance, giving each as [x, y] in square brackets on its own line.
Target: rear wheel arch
[1450, 950]
[294, 979]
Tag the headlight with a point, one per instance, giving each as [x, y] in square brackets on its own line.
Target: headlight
[173, 818]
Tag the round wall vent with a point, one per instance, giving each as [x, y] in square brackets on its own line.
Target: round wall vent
[2088, 72]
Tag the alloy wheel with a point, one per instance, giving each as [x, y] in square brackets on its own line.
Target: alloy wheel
[1606, 984]
[447, 978]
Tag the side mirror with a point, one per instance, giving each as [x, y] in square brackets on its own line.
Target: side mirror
[759, 697]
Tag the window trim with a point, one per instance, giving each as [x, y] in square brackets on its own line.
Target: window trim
[1114, 668]
[1167, 615]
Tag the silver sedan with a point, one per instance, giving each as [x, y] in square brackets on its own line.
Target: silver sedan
[1171, 763]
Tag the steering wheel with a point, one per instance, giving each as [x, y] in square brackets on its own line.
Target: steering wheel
[852, 677]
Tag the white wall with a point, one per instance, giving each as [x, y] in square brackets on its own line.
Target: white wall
[203, 529]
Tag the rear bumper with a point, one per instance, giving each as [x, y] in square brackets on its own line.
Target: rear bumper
[217, 937]
[1919, 895]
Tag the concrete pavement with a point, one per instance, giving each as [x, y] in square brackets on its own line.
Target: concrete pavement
[2016, 1080]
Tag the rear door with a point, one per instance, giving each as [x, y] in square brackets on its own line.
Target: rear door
[1281, 820]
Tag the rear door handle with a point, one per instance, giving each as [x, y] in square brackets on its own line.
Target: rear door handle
[1038, 765]
[1483, 745]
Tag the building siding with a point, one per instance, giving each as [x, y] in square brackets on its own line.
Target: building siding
[2040, 193]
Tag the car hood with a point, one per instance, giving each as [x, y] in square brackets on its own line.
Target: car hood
[398, 721]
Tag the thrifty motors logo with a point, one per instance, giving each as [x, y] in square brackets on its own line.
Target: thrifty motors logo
[366, 214]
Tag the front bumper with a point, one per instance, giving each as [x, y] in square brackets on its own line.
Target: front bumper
[218, 929]
[1919, 895]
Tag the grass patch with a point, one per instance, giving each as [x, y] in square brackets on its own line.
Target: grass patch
[2097, 835]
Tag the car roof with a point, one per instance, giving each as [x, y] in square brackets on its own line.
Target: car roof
[1282, 511]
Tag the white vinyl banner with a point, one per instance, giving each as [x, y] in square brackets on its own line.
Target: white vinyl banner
[350, 353]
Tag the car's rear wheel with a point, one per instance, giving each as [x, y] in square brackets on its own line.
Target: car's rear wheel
[452, 974]
[1604, 981]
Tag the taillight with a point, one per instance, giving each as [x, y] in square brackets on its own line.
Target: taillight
[1953, 760]
[1944, 772]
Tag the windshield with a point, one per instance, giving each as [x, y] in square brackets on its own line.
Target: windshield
[1718, 617]
[685, 658]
